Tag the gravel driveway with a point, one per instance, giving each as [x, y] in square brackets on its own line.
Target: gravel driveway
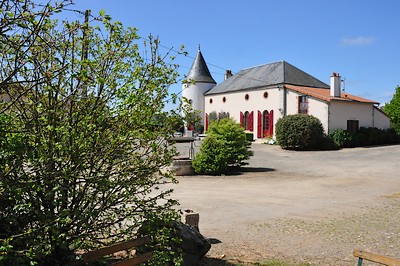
[314, 207]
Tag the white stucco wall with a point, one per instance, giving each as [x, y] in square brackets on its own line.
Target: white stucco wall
[381, 120]
[195, 94]
[316, 107]
[235, 103]
[341, 111]
[333, 115]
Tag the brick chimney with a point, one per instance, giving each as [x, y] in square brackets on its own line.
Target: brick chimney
[228, 74]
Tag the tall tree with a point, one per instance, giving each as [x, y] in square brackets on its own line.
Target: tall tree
[393, 108]
[81, 155]
[21, 26]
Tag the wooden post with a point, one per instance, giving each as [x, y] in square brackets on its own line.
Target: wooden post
[374, 258]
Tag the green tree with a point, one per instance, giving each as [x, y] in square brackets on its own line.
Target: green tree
[299, 132]
[225, 145]
[191, 117]
[393, 108]
[80, 159]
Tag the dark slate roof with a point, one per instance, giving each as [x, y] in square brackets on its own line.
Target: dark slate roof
[199, 71]
[267, 75]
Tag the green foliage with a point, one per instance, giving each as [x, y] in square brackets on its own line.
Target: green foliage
[393, 108]
[80, 159]
[327, 144]
[342, 138]
[191, 117]
[299, 132]
[165, 245]
[225, 145]
[249, 136]
[211, 159]
[375, 136]
[364, 137]
[223, 115]
[213, 116]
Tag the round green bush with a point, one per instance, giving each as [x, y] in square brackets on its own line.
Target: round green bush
[299, 132]
[225, 145]
[211, 159]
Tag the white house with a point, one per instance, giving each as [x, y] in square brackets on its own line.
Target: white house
[258, 96]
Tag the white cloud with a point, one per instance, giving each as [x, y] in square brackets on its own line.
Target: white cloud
[357, 41]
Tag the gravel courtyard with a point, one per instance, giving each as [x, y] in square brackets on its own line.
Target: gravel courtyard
[311, 207]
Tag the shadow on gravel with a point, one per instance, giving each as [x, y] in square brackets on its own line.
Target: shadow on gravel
[247, 169]
[214, 241]
[257, 169]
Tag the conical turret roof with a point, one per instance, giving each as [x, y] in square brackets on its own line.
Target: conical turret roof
[199, 71]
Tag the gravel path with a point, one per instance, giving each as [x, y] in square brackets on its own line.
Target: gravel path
[314, 207]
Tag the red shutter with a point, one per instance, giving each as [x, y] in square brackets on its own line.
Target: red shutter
[241, 119]
[206, 127]
[259, 124]
[251, 126]
[271, 122]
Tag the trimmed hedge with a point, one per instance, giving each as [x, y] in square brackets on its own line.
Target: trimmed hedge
[299, 132]
[364, 137]
[342, 138]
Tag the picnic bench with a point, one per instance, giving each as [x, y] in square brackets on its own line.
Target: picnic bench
[92, 256]
[374, 258]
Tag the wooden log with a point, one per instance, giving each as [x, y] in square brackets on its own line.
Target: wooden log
[376, 258]
[94, 255]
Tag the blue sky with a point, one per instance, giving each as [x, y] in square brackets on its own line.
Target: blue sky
[358, 39]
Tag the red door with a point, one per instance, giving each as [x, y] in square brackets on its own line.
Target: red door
[268, 124]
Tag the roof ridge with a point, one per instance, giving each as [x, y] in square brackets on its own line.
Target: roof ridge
[260, 65]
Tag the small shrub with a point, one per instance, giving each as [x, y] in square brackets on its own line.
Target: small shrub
[299, 132]
[225, 145]
[211, 159]
[342, 138]
[392, 136]
[327, 143]
[249, 136]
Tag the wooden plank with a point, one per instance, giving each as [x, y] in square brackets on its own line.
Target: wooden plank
[376, 258]
[136, 260]
[92, 256]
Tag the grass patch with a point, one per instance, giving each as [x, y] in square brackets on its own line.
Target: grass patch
[393, 196]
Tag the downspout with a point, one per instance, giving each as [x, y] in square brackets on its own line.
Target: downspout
[329, 118]
[373, 116]
[283, 108]
[284, 102]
